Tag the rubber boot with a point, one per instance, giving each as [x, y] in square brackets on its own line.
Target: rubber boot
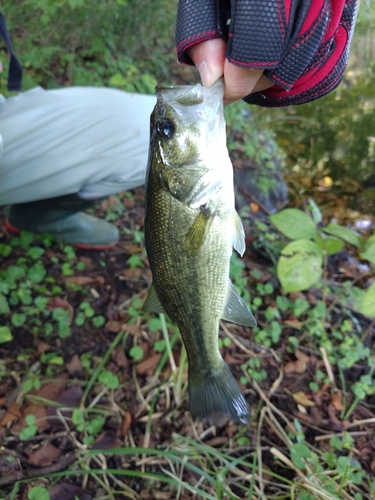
[63, 218]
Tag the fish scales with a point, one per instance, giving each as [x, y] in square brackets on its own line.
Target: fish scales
[190, 228]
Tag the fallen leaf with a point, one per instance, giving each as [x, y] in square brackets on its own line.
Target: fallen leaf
[40, 413]
[69, 398]
[302, 399]
[149, 365]
[74, 365]
[294, 323]
[231, 360]
[254, 207]
[79, 280]
[325, 183]
[65, 491]
[119, 357]
[13, 413]
[132, 329]
[41, 346]
[100, 279]
[216, 441]
[52, 390]
[298, 366]
[132, 273]
[106, 440]
[336, 400]
[113, 326]
[56, 302]
[336, 423]
[126, 423]
[45, 455]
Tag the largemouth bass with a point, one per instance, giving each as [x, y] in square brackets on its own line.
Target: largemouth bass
[190, 228]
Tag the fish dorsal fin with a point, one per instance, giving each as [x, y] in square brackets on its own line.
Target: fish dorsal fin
[238, 234]
[152, 302]
[236, 311]
[198, 232]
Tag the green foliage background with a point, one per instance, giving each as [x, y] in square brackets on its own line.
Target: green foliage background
[92, 42]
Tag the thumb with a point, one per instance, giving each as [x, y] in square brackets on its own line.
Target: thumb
[209, 58]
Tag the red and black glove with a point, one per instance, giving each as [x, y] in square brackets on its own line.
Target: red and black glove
[302, 45]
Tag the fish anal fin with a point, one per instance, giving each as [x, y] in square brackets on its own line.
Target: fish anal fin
[152, 302]
[238, 234]
[236, 311]
[217, 392]
[197, 233]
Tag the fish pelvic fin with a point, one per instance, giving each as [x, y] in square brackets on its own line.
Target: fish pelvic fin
[236, 311]
[217, 392]
[152, 302]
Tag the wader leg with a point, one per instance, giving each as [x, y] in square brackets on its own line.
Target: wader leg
[63, 218]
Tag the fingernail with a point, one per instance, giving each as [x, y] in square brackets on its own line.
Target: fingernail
[205, 73]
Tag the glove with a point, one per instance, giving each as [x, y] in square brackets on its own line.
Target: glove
[302, 45]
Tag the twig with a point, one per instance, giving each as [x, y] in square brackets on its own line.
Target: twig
[237, 342]
[328, 366]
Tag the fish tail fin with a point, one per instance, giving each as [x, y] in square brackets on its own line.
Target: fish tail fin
[217, 392]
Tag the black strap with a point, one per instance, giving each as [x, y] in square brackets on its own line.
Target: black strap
[15, 67]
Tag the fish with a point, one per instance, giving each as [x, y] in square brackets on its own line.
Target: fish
[191, 227]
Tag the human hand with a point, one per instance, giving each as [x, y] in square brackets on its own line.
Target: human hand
[300, 47]
[209, 58]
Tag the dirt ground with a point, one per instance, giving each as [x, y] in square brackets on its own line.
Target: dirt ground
[144, 409]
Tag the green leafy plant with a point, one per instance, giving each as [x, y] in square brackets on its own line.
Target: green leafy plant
[30, 430]
[303, 261]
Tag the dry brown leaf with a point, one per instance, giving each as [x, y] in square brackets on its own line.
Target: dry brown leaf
[298, 366]
[337, 425]
[294, 323]
[56, 302]
[69, 398]
[13, 413]
[52, 390]
[162, 495]
[41, 346]
[126, 423]
[132, 273]
[302, 399]
[106, 440]
[132, 329]
[45, 455]
[254, 207]
[74, 365]
[336, 400]
[79, 280]
[113, 326]
[231, 360]
[119, 357]
[65, 491]
[40, 413]
[216, 441]
[149, 365]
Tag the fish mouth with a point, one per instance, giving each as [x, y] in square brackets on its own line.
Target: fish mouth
[189, 95]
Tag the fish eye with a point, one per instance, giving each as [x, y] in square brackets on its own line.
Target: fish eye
[165, 128]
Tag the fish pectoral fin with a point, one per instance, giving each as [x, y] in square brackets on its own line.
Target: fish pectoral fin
[236, 311]
[238, 234]
[152, 302]
[198, 232]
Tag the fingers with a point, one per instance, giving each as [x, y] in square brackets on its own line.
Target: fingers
[240, 81]
[209, 58]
